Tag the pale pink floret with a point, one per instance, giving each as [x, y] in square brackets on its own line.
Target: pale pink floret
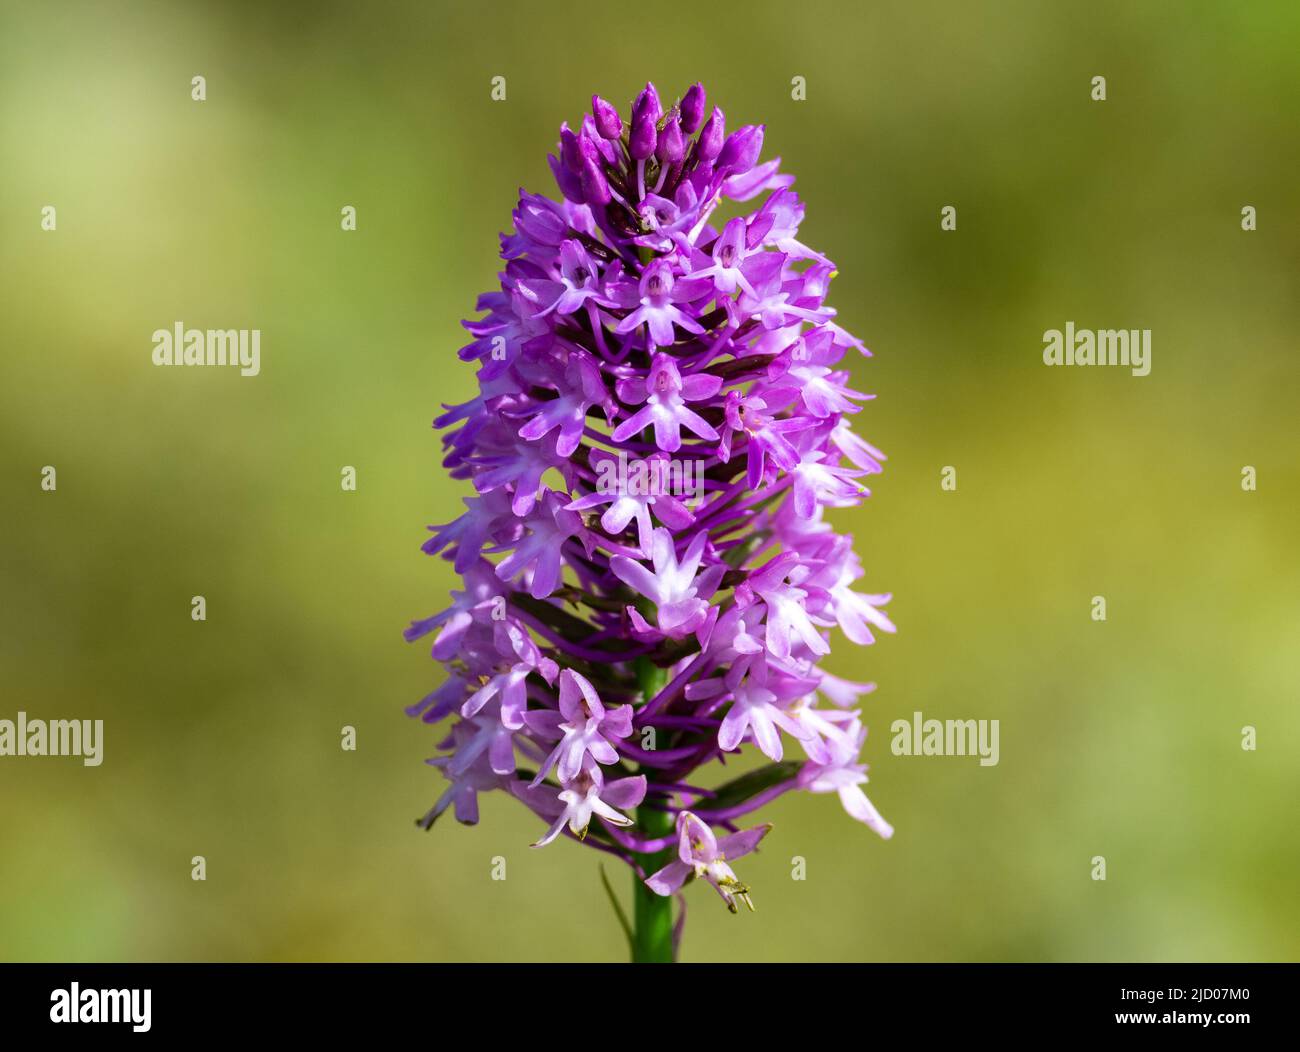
[584, 727]
[701, 854]
[680, 598]
[842, 774]
[519, 657]
[587, 796]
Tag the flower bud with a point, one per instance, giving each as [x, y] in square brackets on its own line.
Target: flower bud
[711, 138]
[643, 138]
[608, 122]
[693, 109]
[647, 105]
[569, 152]
[595, 187]
[671, 146]
[566, 179]
[740, 151]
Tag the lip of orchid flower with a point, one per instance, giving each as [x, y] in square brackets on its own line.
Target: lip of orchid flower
[626, 326]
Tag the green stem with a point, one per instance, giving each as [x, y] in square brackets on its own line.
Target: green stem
[652, 915]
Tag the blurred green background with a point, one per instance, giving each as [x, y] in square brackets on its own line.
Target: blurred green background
[1119, 739]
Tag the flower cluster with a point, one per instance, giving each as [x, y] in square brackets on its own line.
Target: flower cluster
[608, 645]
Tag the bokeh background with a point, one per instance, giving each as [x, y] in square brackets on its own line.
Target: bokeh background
[222, 738]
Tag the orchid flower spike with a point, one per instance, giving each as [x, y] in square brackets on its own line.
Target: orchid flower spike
[649, 583]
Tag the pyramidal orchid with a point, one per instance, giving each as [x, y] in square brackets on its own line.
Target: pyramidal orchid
[622, 634]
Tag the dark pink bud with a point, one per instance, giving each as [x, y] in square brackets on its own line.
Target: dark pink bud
[712, 137]
[693, 109]
[595, 187]
[671, 146]
[608, 122]
[740, 152]
[569, 152]
[647, 105]
[642, 140]
[566, 179]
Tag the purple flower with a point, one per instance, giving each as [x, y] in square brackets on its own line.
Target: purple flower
[584, 797]
[764, 436]
[455, 621]
[754, 710]
[578, 281]
[518, 657]
[467, 780]
[788, 620]
[629, 501]
[740, 151]
[678, 594]
[709, 144]
[841, 773]
[576, 391]
[655, 304]
[820, 480]
[540, 554]
[701, 854]
[584, 727]
[728, 258]
[614, 639]
[670, 147]
[666, 394]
